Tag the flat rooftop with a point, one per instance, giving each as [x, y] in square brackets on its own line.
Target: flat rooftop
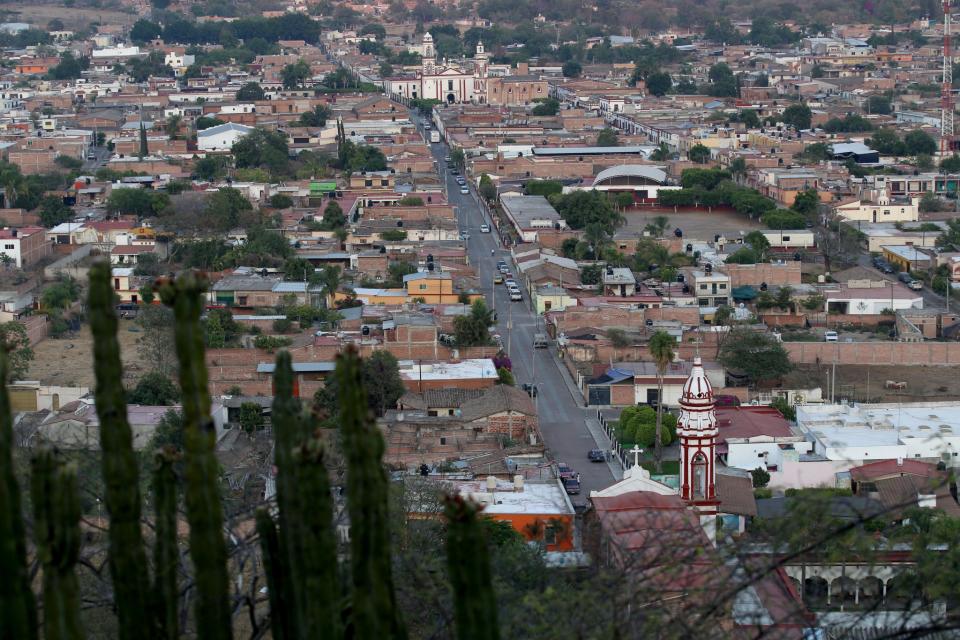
[464, 370]
[535, 498]
[883, 424]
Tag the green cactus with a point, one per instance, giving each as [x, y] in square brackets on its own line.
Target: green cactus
[474, 602]
[373, 603]
[56, 513]
[128, 558]
[274, 566]
[306, 541]
[208, 548]
[166, 555]
[287, 427]
[17, 607]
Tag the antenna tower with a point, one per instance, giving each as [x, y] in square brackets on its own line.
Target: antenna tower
[946, 93]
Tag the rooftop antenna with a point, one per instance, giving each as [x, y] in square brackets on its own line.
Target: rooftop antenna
[946, 91]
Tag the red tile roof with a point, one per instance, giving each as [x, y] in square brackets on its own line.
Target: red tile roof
[22, 232]
[887, 468]
[750, 422]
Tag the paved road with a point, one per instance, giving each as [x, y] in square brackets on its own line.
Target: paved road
[562, 418]
[931, 300]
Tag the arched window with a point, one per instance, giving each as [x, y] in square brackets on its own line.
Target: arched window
[699, 465]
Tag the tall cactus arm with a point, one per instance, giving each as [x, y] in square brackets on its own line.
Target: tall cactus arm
[286, 421]
[18, 611]
[56, 509]
[373, 604]
[474, 602]
[208, 549]
[280, 603]
[321, 589]
[128, 558]
[166, 555]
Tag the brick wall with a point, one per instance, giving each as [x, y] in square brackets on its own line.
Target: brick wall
[875, 353]
[515, 425]
[787, 273]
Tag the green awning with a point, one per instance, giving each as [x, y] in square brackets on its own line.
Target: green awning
[322, 187]
[745, 292]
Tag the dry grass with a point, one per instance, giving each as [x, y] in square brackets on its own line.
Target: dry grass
[69, 361]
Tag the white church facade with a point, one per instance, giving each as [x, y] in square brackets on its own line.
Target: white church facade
[449, 84]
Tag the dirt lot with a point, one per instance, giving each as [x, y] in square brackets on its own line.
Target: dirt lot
[75, 17]
[695, 224]
[69, 361]
[866, 383]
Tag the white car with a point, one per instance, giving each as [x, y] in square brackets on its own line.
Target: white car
[831, 336]
[484, 228]
[515, 295]
[464, 191]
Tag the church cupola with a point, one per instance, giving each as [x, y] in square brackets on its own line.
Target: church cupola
[697, 432]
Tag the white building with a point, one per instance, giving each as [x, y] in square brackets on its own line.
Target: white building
[864, 297]
[221, 137]
[444, 82]
[929, 430]
[878, 206]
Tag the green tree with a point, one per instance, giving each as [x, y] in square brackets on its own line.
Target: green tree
[139, 202]
[581, 208]
[251, 417]
[294, 75]
[759, 243]
[60, 294]
[505, 376]
[761, 357]
[661, 347]
[760, 477]
[919, 142]
[607, 138]
[53, 211]
[887, 142]
[547, 107]
[333, 216]
[699, 154]
[316, 118]
[382, 385]
[487, 189]
[14, 339]
[879, 105]
[786, 409]
[473, 329]
[154, 389]
[69, 68]
[262, 149]
[281, 201]
[224, 209]
[250, 91]
[659, 84]
[572, 69]
[798, 116]
[806, 202]
[950, 164]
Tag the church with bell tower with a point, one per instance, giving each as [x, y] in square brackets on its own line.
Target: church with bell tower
[698, 489]
[439, 80]
[697, 433]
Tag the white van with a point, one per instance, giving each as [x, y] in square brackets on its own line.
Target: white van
[830, 336]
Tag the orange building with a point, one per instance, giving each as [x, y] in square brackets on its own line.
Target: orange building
[540, 511]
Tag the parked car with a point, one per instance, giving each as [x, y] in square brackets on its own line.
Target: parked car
[915, 285]
[831, 336]
[596, 455]
[465, 191]
[565, 471]
[904, 277]
[515, 295]
[498, 278]
[540, 341]
[571, 486]
[503, 269]
[484, 228]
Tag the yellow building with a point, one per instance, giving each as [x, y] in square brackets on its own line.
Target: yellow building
[431, 287]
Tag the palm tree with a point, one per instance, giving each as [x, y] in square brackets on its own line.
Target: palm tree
[661, 348]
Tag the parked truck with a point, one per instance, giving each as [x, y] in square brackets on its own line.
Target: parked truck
[434, 136]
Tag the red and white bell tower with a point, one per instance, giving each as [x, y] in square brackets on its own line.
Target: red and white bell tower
[697, 432]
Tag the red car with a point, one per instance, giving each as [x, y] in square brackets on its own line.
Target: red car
[565, 471]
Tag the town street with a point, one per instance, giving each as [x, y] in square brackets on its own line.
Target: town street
[562, 417]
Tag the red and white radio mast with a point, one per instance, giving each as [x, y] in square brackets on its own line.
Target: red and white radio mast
[946, 92]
